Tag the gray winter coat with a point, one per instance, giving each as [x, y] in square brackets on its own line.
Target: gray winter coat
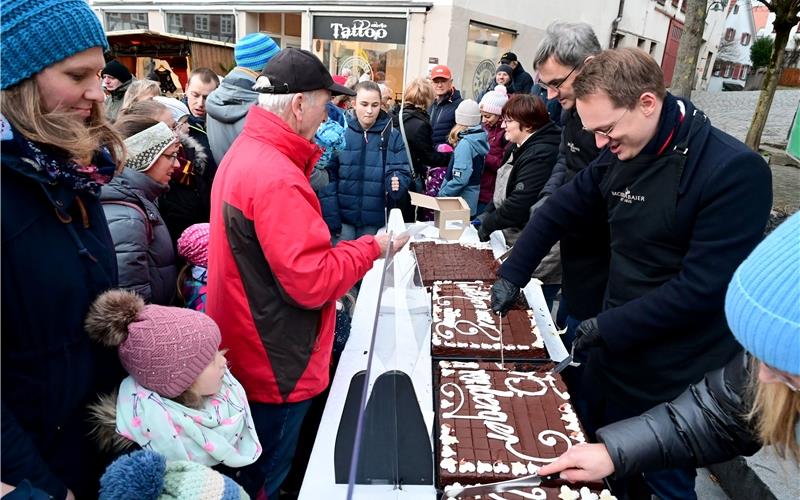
[226, 108]
[145, 255]
[113, 101]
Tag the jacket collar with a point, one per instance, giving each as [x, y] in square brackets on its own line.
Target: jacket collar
[140, 182]
[268, 128]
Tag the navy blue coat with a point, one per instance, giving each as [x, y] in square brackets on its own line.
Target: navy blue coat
[658, 343]
[443, 117]
[363, 170]
[55, 261]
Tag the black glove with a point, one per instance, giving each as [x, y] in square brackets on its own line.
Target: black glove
[483, 233]
[504, 295]
[587, 336]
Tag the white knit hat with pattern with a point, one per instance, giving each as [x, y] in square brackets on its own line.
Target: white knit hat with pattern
[145, 147]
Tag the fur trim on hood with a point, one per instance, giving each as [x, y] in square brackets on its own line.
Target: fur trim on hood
[103, 419]
[200, 159]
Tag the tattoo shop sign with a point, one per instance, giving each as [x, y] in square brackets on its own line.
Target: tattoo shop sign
[360, 29]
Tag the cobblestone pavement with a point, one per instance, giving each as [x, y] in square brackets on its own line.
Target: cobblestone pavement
[732, 112]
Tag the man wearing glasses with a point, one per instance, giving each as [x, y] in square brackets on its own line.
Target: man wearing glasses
[584, 254]
[443, 109]
[685, 205]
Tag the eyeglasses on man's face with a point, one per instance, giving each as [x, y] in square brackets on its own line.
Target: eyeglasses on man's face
[556, 84]
[607, 132]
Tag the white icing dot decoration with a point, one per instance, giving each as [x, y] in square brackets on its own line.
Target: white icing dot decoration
[447, 452]
[465, 466]
[449, 465]
[518, 469]
[483, 467]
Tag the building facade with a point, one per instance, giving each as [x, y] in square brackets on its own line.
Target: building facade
[733, 63]
[396, 40]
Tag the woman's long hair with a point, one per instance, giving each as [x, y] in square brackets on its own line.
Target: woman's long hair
[22, 106]
[775, 412]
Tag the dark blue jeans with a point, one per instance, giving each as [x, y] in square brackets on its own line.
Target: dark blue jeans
[278, 427]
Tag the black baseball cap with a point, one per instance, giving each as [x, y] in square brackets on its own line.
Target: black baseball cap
[296, 70]
[508, 57]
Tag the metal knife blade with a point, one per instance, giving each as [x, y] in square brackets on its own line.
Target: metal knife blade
[499, 487]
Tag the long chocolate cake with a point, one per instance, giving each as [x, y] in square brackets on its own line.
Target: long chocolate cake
[464, 325]
[454, 261]
[497, 422]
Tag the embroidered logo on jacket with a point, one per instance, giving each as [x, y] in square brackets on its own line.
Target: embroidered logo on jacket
[573, 148]
[627, 197]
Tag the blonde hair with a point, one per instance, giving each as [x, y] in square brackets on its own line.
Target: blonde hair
[453, 137]
[22, 106]
[140, 90]
[419, 93]
[774, 415]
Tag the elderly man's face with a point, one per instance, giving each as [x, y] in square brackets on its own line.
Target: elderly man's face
[442, 86]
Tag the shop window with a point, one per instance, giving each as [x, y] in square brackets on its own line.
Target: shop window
[746, 39]
[374, 46]
[220, 27]
[485, 45]
[292, 24]
[730, 34]
[118, 21]
[728, 70]
[279, 26]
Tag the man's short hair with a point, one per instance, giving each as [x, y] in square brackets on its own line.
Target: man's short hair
[623, 74]
[205, 75]
[568, 43]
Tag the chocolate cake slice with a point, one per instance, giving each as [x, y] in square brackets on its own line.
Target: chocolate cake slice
[454, 261]
[497, 422]
[464, 325]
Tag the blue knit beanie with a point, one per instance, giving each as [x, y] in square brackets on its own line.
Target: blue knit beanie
[39, 33]
[254, 51]
[145, 475]
[763, 300]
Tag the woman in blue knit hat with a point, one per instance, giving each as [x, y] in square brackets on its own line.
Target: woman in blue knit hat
[57, 151]
[752, 402]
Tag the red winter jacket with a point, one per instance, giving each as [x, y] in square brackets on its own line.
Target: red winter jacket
[494, 160]
[273, 276]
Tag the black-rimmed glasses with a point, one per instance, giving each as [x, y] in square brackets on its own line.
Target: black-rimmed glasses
[555, 85]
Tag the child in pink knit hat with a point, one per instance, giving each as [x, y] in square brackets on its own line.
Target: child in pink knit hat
[193, 278]
[179, 400]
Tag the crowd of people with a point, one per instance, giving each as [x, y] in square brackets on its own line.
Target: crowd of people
[176, 273]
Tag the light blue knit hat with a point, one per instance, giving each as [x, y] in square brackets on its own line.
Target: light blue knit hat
[763, 300]
[254, 51]
[38, 33]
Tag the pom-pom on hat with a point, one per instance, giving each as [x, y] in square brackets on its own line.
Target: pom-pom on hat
[468, 114]
[39, 33]
[494, 100]
[145, 147]
[163, 348]
[254, 51]
[176, 107]
[117, 70]
[146, 475]
[193, 244]
[763, 300]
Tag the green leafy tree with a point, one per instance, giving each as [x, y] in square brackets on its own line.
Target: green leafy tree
[760, 51]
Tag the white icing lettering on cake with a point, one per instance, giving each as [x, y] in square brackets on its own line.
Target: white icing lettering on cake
[446, 404]
[534, 494]
[485, 401]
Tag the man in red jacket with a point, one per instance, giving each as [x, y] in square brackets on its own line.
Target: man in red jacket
[273, 276]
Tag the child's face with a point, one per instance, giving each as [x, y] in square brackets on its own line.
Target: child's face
[210, 380]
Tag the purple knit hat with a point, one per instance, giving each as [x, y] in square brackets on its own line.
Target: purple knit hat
[193, 244]
[163, 348]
